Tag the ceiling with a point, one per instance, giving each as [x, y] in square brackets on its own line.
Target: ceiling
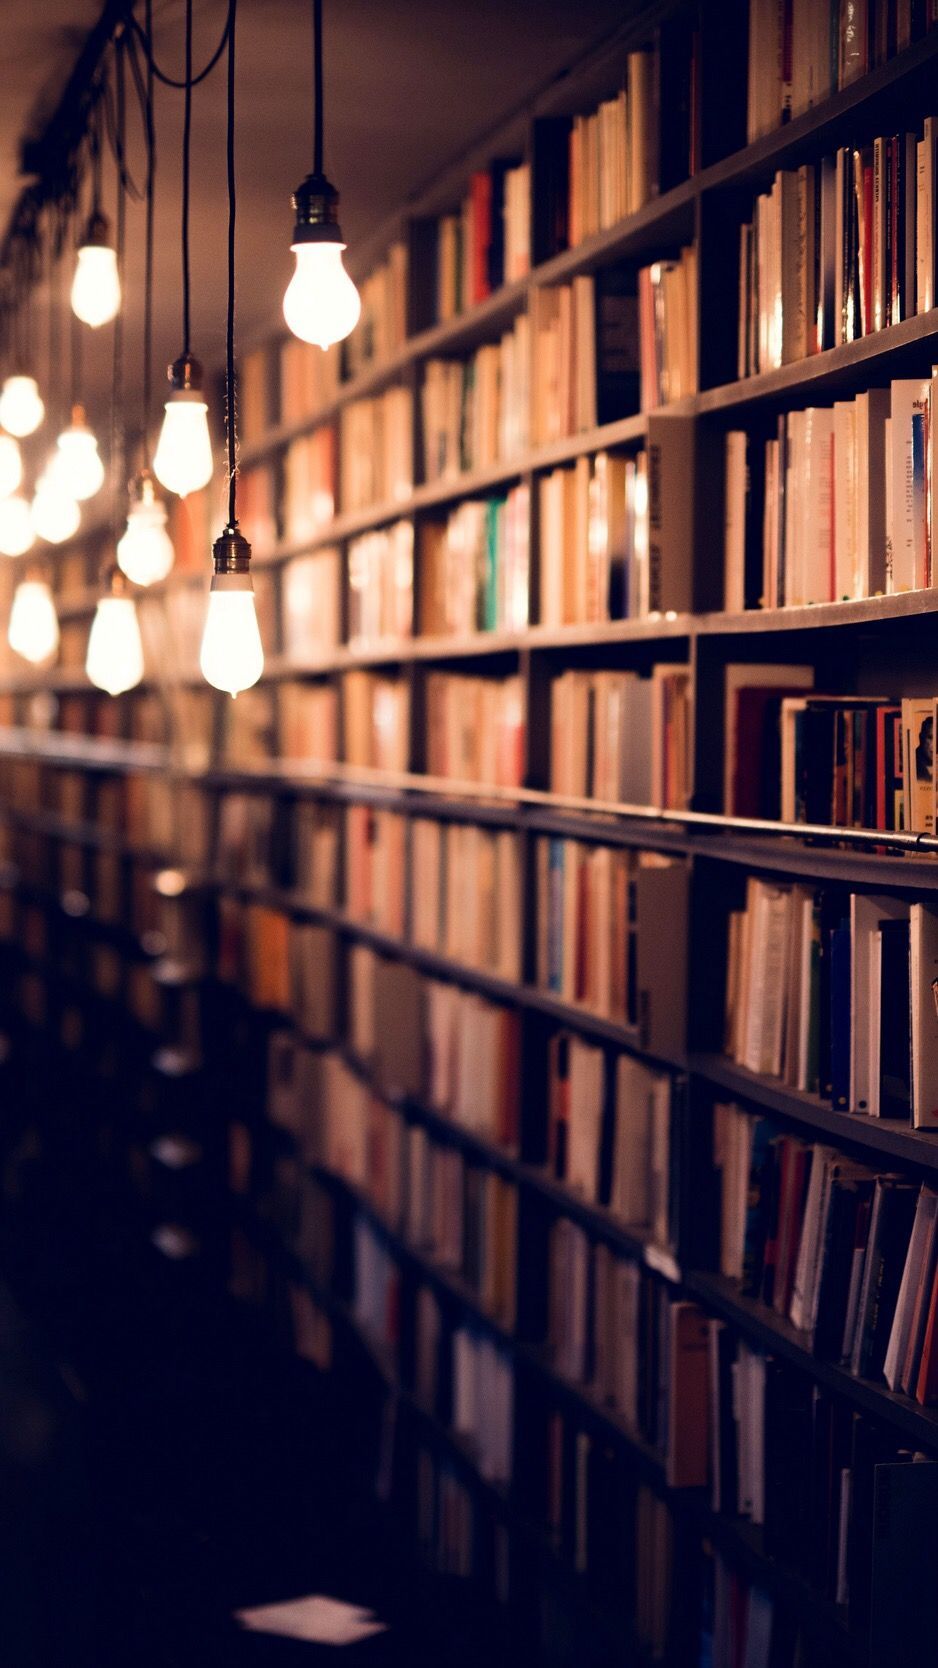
[408, 85]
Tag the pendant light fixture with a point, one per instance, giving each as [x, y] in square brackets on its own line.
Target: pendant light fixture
[33, 631]
[96, 286]
[183, 459]
[78, 468]
[114, 661]
[16, 525]
[321, 304]
[145, 552]
[55, 512]
[21, 407]
[232, 656]
[96, 290]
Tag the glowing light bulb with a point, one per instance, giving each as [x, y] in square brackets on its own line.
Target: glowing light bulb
[145, 553]
[11, 465]
[21, 408]
[183, 460]
[114, 661]
[232, 655]
[96, 286]
[77, 468]
[34, 626]
[321, 304]
[55, 512]
[16, 525]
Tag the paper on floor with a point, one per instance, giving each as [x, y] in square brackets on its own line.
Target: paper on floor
[318, 1620]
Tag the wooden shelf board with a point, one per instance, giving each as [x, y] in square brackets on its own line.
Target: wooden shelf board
[892, 1138]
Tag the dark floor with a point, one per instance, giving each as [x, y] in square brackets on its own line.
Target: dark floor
[162, 1463]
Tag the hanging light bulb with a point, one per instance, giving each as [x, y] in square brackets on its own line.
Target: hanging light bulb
[183, 460]
[96, 286]
[11, 465]
[21, 407]
[34, 626]
[16, 525]
[145, 553]
[321, 305]
[55, 513]
[114, 661]
[77, 467]
[232, 656]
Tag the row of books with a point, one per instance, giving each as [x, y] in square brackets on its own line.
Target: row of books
[295, 382]
[280, 964]
[851, 761]
[837, 250]
[667, 330]
[460, 1053]
[847, 1255]
[309, 486]
[461, 1215]
[612, 934]
[615, 1328]
[475, 728]
[838, 504]
[452, 888]
[465, 894]
[486, 243]
[376, 450]
[475, 411]
[799, 54]
[593, 169]
[833, 993]
[594, 540]
[827, 1517]
[475, 567]
[382, 329]
[381, 585]
[613, 1133]
[613, 153]
[623, 738]
[584, 348]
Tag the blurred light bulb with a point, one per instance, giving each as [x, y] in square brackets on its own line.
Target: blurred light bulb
[55, 512]
[16, 525]
[21, 408]
[145, 553]
[114, 661]
[34, 626]
[183, 460]
[11, 465]
[77, 467]
[321, 304]
[232, 656]
[96, 286]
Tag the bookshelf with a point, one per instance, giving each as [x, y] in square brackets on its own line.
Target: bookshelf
[193, 934]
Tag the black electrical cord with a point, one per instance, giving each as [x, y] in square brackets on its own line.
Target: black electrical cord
[147, 388]
[230, 386]
[186, 146]
[144, 34]
[117, 377]
[317, 86]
